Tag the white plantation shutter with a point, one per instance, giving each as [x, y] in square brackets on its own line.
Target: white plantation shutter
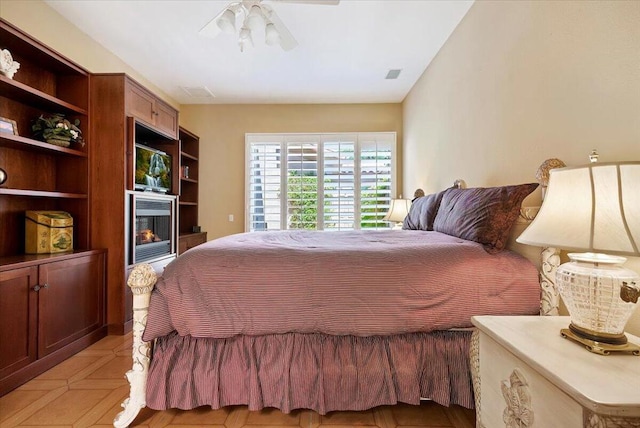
[319, 181]
[376, 189]
[264, 185]
[302, 184]
[339, 184]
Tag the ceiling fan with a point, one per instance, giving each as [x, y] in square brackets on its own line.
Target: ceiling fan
[255, 16]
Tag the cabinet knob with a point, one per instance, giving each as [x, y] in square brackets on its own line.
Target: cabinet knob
[37, 287]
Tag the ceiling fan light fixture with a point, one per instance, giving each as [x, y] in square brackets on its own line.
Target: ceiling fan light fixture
[255, 18]
[271, 34]
[227, 21]
[245, 39]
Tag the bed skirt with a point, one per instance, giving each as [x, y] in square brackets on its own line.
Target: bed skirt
[310, 371]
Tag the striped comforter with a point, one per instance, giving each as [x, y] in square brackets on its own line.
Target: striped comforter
[360, 283]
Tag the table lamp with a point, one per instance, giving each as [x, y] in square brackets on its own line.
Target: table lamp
[398, 210]
[594, 209]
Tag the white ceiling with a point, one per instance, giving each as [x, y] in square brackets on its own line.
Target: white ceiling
[343, 55]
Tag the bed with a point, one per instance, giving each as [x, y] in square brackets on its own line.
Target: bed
[329, 321]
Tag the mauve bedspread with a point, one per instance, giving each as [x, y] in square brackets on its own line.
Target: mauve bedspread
[359, 283]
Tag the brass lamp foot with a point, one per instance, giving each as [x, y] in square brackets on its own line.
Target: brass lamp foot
[600, 347]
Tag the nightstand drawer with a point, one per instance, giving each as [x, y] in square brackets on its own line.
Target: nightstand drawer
[499, 368]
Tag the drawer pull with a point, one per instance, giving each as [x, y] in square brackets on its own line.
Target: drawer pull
[37, 287]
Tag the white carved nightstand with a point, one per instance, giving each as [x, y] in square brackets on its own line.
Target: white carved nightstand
[526, 375]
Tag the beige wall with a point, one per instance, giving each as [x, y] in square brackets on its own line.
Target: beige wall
[222, 129]
[519, 82]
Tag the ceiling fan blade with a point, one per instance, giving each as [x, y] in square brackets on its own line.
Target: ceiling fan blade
[325, 2]
[287, 41]
[211, 28]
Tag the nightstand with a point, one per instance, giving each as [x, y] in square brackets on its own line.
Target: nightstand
[552, 381]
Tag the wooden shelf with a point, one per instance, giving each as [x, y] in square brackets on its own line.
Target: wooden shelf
[23, 143]
[188, 156]
[13, 89]
[188, 201]
[41, 176]
[41, 193]
[16, 40]
[23, 260]
[40, 330]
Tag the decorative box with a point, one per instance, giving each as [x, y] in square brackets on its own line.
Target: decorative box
[48, 232]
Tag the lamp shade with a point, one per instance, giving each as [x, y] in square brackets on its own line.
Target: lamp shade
[594, 208]
[398, 210]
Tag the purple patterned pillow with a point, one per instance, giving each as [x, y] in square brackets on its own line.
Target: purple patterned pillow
[423, 212]
[483, 215]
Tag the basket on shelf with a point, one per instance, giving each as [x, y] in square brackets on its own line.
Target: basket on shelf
[59, 142]
[57, 130]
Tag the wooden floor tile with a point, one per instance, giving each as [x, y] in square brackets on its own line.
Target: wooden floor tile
[201, 416]
[365, 418]
[68, 368]
[427, 414]
[12, 403]
[67, 408]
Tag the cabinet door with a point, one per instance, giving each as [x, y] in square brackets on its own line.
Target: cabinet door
[141, 104]
[18, 319]
[71, 304]
[166, 119]
[183, 245]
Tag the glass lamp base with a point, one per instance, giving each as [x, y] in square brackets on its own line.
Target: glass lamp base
[599, 294]
[600, 347]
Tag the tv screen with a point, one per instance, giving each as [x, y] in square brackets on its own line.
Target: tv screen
[153, 169]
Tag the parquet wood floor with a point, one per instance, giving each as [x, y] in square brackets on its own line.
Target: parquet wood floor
[86, 391]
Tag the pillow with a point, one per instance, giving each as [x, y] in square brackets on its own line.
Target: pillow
[423, 212]
[483, 215]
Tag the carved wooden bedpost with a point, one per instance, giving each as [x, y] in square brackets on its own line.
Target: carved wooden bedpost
[549, 262]
[550, 256]
[550, 300]
[141, 280]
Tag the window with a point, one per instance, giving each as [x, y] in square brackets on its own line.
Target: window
[319, 181]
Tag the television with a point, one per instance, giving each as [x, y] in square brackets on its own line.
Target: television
[153, 170]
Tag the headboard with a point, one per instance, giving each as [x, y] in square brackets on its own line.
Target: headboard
[546, 260]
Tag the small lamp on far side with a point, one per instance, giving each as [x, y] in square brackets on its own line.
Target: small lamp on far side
[398, 210]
